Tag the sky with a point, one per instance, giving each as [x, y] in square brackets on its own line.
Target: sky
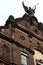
[15, 8]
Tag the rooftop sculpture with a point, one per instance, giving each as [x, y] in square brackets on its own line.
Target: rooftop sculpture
[30, 11]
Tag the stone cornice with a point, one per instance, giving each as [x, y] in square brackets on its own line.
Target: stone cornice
[15, 42]
[28, 31]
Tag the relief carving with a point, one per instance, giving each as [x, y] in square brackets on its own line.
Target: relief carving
[22, 37]
[39, 46]
[6, 53]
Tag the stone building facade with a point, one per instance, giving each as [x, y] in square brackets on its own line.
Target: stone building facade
[21, 41]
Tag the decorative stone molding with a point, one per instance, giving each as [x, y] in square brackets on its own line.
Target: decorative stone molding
[22, 37]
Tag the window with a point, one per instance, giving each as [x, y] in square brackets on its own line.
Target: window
[24, 58]
[2, 64]
[39, 62]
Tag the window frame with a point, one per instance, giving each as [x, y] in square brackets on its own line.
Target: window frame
[26, 56]
[38, 62]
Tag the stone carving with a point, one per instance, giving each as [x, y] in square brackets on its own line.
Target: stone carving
[39, 46]
[6, 53]
[22, 37]
[5, 48]
[30, 11]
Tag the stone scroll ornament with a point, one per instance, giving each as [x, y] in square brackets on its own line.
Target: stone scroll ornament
[30, 11]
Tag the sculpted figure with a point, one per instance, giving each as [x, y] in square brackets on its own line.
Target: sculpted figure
[30, 11]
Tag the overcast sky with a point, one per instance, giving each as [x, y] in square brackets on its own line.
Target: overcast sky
[15, 8]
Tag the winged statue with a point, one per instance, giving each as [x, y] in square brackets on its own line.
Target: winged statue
[29, 10]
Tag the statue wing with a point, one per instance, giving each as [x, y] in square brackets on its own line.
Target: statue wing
[25, 7]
